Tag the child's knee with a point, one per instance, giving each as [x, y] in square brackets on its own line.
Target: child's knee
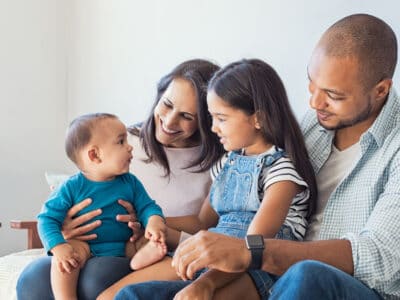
[82, 248]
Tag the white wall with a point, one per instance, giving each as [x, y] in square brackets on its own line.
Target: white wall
[121, 48]
[33, 108]
[62, 58]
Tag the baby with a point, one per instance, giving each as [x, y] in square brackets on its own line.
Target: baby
[97, 144]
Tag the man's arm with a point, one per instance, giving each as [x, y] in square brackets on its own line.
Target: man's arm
[279, 255]
[375, 249]
[206, 249]
[370, 253]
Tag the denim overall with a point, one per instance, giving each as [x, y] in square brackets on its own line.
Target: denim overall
[234, 196]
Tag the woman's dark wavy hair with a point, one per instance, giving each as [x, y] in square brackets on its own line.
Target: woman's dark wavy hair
[198, 72]
[253, 86]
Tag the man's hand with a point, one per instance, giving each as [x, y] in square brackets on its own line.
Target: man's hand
[210, 250]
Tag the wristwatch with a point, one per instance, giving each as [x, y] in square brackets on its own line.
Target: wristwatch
[255, 243]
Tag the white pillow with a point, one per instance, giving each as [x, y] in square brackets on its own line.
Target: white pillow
[55, 179]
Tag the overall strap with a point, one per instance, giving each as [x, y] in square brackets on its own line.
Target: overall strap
[269, 159]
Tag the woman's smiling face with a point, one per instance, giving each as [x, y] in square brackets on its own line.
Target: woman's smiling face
[175, 115]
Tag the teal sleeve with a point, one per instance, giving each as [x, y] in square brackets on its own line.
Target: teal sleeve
[145, 207]
[52, 216]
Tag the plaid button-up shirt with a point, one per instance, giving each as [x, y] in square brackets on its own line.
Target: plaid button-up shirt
[365, 206]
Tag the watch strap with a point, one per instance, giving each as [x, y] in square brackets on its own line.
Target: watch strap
[256, 258]
[255, 244]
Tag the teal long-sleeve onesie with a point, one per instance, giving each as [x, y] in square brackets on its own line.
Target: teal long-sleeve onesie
[112, 235]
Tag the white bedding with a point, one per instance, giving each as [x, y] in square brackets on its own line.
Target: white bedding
[10, 267]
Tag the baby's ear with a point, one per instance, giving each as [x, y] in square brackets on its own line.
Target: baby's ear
[93, 154]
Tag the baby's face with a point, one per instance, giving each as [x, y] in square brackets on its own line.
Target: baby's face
[115, 153]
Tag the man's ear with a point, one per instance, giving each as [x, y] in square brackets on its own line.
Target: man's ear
[94, 155]
[382, 88]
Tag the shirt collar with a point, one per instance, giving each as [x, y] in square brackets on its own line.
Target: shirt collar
[387, 119]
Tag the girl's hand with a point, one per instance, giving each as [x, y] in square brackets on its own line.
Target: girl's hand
[72, 227]
[199, 290]
[130, 218]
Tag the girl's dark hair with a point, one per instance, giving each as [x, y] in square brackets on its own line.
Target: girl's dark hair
[253, 86]
[198, 72]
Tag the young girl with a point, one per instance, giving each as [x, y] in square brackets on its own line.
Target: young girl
[264, 185]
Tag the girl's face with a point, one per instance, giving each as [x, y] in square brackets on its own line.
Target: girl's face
[235, 129]
[175, 115]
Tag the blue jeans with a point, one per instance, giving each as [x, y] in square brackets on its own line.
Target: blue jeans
[97, 275]
[311, 280]
[308, 279]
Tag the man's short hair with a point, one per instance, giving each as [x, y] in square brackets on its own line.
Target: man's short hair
[367, 38]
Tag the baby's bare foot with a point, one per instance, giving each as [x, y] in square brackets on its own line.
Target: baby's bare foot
[148, 254]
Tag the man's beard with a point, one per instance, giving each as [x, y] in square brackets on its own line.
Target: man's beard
[362, 116]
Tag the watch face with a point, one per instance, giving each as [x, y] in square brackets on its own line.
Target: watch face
[255, 241]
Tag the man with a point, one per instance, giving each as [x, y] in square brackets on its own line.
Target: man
[353, 138]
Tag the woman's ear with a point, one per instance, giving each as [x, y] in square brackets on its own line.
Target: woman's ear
[94, 154]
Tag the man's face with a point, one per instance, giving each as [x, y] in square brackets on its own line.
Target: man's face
[337, 93]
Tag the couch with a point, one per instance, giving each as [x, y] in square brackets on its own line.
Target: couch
[12, 265]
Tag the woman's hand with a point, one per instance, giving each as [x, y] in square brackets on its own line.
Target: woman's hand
[130, 218]
[72, 227]
[211, 250]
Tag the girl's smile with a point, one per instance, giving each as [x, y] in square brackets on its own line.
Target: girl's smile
[236, 129]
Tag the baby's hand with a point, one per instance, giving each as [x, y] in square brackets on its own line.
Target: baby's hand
[156, 230]
[66, 257]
